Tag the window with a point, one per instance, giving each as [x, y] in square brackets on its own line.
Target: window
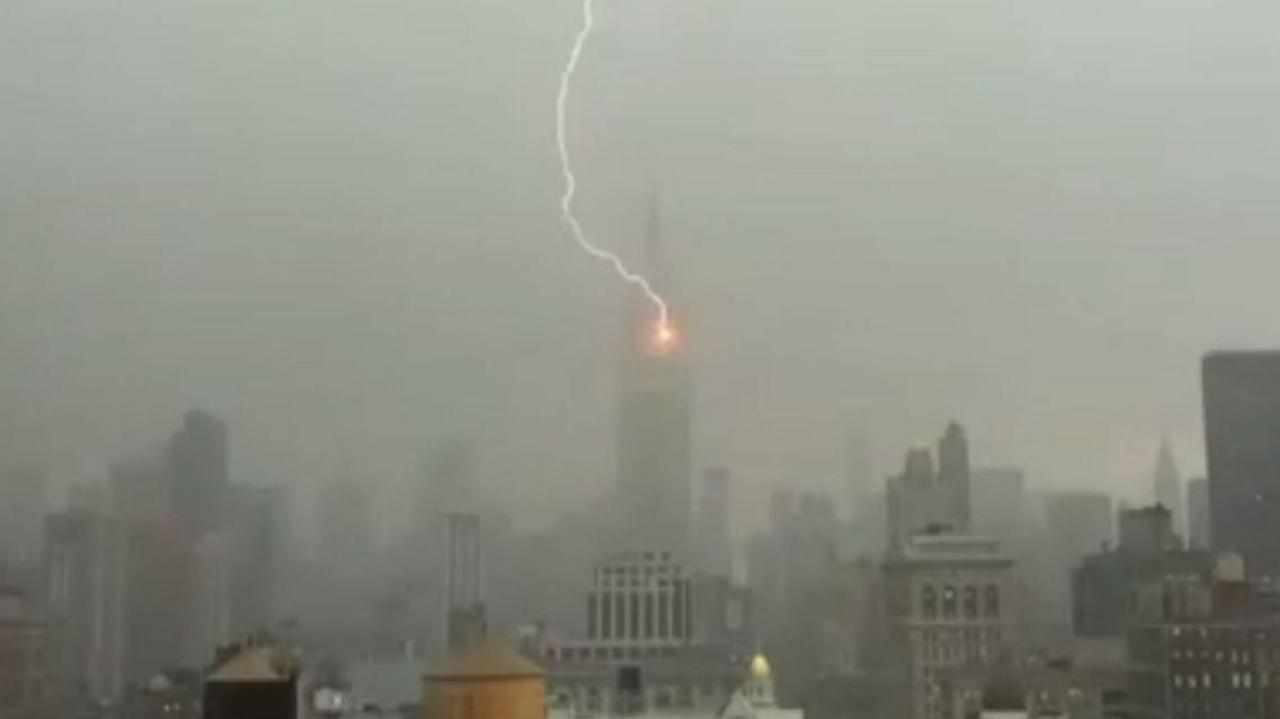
[970, 602]
[949, 602]
[992, 600]
[929, 602]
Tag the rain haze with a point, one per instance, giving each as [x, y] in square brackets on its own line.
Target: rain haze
[334, 224]
[315, 402]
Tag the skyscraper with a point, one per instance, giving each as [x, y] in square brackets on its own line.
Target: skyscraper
[953, 472]
[198, 462]
[713, 546]
[22, 508]
[920, 498]
[654, 444]
[1242, 439]
[464, 581]
[1198, 513]
[86, 568]
[1168, 487]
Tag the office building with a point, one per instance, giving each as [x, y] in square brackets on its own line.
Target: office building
[25, 689]
[950, 603]
[198, 458]
[1198, 532]
[1213, 653]
[1118, 589]
[1242, 441]
[1168, 488]
[654, 426]
[85, 563]
[713, 549]
[464, 583]
[22, 509]
[922, 499]
[999, 504]
[644, 649]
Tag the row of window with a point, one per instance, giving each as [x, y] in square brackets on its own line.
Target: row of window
[948, 603]
[598, 653]
[1191, 682]
[640, 615]
[1220, 656]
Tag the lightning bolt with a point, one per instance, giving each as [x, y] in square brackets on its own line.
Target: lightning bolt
[664, 330]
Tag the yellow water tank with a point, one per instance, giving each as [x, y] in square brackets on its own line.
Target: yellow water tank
[485, 680]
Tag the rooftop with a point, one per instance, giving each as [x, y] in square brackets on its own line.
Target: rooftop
[485, 659]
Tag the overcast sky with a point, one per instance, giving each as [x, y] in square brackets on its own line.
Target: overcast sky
[334, 223]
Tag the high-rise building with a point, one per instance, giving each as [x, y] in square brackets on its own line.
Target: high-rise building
[953, 473]
[24, 673]
[198, 455]
[1242, 439]
[252, 520]
[654, 431]
[22, 509]
[85, 565]
[921, 499]
[1168, 487]
[210, 615]
[714, 555]
[1115, 590]
[1198, 532]
[999, 504]
[139, 489]
[160, 587]
[464, 581]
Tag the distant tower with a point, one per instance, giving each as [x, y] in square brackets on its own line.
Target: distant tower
[1241, 414]
[1168, 486]
[1198, 531]
[654, 443]
[466, 613]
[198, 462]
[713, 546]
[953, 473]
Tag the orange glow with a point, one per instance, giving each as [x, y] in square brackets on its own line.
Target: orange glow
[664, 339]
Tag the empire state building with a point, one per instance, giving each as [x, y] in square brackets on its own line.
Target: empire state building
[654, 444]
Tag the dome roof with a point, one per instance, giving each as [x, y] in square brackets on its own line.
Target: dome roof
[485, 659]
[760, 668]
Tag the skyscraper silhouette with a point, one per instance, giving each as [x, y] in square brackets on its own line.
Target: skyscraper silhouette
[654, 445]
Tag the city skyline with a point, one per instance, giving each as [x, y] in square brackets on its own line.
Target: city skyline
[430, 324]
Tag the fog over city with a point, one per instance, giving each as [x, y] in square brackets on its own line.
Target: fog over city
[333, 223]
[969, 402]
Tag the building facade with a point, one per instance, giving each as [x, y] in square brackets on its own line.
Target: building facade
[1168, 488]
[85, 570]
[1198, 532]
[654, 443]
[1242, 440]
[950, 603]
[659, 639]
[1116, 590]
[921, 498]
[713, 550]
[25, 689]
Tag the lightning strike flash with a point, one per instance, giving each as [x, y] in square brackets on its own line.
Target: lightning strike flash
[664, 334]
